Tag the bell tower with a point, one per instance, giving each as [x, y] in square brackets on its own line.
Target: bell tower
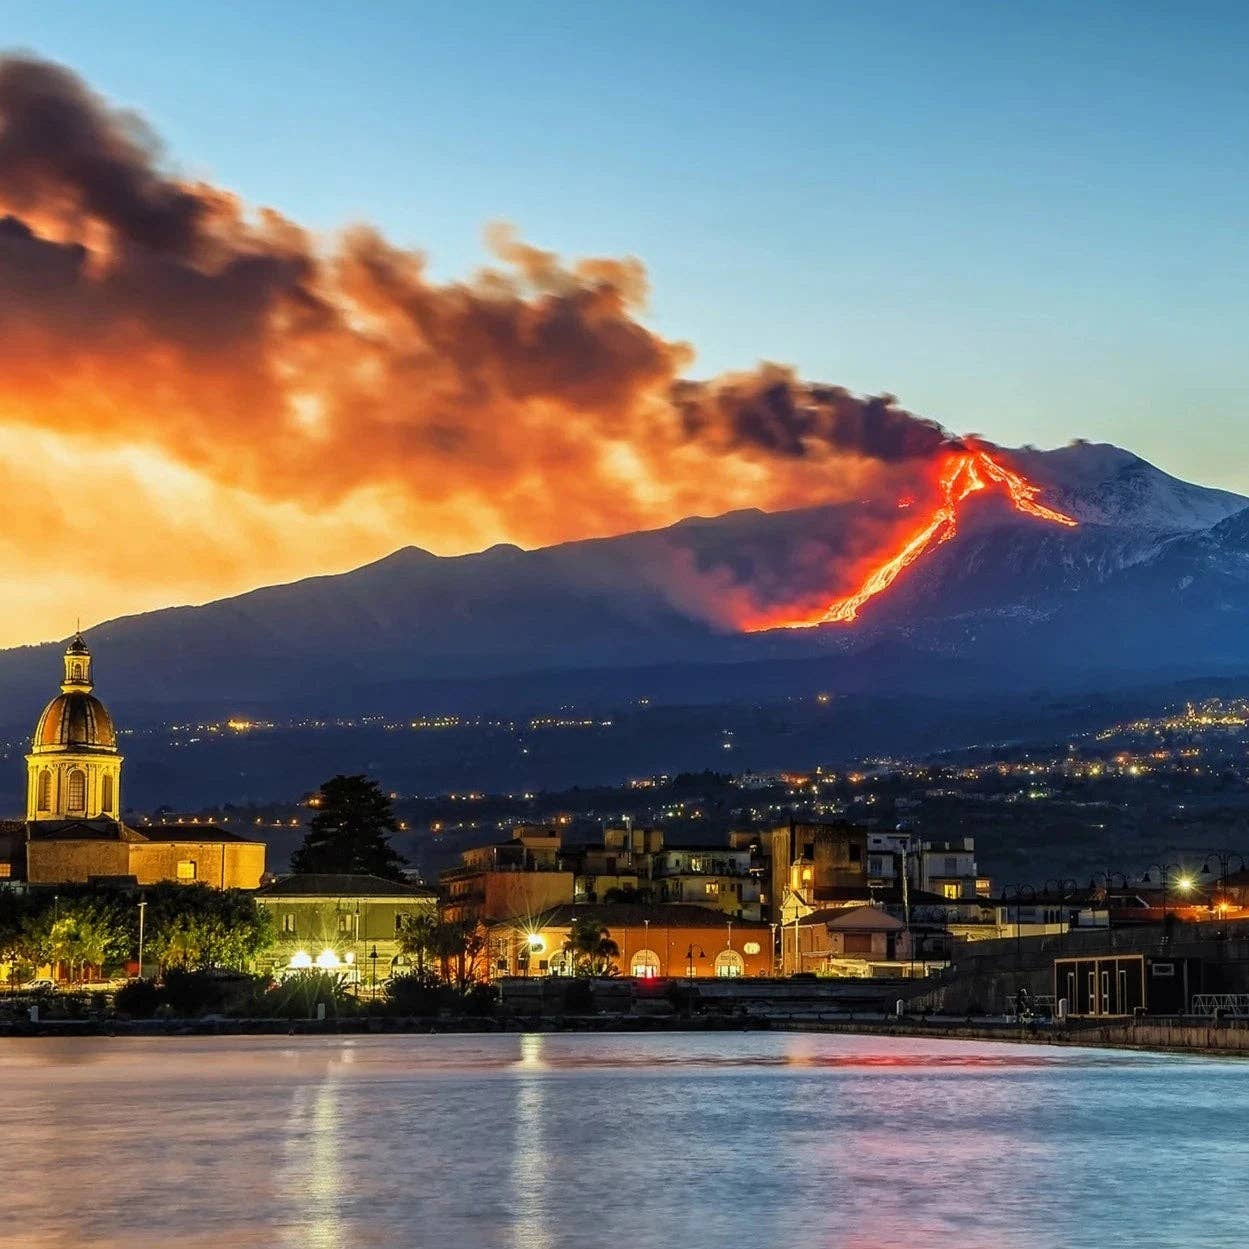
[73, 771]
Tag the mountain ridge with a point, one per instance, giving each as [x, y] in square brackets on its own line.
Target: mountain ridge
[1008, 593]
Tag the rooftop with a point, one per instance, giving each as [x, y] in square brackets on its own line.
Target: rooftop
[330, 885]
[636, 915]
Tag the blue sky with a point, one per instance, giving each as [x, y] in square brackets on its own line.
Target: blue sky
[1025, 221]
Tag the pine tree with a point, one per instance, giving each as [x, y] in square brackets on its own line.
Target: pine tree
[350, 833]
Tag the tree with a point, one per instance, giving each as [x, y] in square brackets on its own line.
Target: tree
[350, 833]
[591, 947]
[80, 933]
[193, 927]
[419, 940]
[448, 949]
[18, 943]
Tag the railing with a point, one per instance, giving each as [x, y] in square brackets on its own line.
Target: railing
[1039, 1007]
[1225, 1005]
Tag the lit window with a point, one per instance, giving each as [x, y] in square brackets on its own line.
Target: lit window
[713, 886]
[45, 790]
[751, 947]
[106, 795]
[6, 870]
[288, 923]
[644, 965]
[186, 869]
[78, 790]
[729, 963]
[344, 922]
[949, 891]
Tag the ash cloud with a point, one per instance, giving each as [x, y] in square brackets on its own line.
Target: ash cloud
[529, 402]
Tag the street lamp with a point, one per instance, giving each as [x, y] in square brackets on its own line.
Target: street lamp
[1182, 883]
[689, 957]
[1021, 894]
[1224, 859]
[373, 980]
[142, 908]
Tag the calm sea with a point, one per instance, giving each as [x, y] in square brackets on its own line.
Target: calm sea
[620, 1141]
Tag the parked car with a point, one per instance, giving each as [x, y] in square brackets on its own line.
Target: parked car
[42, 985]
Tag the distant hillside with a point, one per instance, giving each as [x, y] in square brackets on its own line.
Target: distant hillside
[1153, 584]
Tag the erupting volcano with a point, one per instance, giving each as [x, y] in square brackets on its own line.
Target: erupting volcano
[961, 473]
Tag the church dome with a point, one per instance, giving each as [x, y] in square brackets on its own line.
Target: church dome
[73, 721]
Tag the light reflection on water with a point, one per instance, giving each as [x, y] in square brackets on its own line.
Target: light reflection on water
[591, 1142]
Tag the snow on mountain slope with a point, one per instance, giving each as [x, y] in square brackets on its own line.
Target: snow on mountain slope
[1101, 484]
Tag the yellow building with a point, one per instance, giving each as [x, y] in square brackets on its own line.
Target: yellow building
[73, 832]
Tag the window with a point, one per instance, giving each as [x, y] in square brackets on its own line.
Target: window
[344, 921]
[44, 802]
[399, 921]
[729, 963]
[644, 965]
[949, 891]
[186, 869]
[6, 870]
[856, 853]
[857, 943]
[288, 923]
[712, 886]
[78, 791]
[751, 947]
[106, 795]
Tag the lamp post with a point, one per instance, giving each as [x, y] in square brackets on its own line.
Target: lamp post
[689, 958]
[1020, 894]
[142, 908]
[1183, 883]
[373, 979]
[1109, 879]
[1224, 859]
[1064, 887]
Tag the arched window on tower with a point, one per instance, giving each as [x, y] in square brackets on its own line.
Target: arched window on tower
[43, 799]
[78, 791]
[106, 796]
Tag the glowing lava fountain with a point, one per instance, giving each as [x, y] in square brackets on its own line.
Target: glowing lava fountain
[962, 473]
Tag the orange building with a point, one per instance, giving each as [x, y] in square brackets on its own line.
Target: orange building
[673, 939]
[524, 876]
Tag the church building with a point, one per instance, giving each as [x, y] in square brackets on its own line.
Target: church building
[73, 831]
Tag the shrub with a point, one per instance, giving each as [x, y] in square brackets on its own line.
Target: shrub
[416, 994]
[296, 996]
[138, 999]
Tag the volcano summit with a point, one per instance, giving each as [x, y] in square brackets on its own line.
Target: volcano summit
[1067, 569]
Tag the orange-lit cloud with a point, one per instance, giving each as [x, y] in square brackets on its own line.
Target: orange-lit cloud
[197, 397]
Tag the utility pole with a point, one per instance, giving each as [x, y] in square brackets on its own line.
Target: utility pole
[142, 908]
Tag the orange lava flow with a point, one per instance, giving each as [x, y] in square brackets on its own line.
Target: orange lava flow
[962, 473]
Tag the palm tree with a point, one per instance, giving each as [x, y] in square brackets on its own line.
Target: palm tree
[591, 948]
